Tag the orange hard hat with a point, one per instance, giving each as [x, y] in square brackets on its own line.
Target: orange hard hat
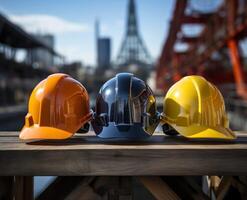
[58, 107]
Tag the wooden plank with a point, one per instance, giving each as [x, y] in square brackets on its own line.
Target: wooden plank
[10, 141]
[158, 188]
[90, 155]
[124, 162]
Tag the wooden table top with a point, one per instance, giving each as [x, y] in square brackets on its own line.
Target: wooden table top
[86, 154]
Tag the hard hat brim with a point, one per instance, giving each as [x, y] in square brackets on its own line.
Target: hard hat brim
[116, 131]
[195, 131]
[36, 132]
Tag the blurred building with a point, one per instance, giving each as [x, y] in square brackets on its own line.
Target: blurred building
[22, 75]
[104, 52]
[17, 72]
[103, 46]
[42, 58]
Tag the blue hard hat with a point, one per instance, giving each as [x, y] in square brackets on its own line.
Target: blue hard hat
[125, 108]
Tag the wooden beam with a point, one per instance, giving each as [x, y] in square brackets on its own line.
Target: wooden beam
[223, 187]
[113, 187]
[83, 192]
[87, 155]
[215, 182]
[186, 187]
[23, 188]
[158, 188]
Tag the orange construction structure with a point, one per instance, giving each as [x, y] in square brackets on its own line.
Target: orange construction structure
[214, 53]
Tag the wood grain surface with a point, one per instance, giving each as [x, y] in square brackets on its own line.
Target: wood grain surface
[90, 155]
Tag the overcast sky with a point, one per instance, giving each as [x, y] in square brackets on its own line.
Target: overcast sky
[72, 23]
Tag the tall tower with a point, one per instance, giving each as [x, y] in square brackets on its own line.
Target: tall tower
[133, 50]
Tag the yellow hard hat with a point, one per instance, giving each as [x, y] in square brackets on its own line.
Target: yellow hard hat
[195, 108]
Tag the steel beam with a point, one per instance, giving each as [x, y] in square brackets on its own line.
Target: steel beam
[237, 68]
[186, 39]
[198, 19]
[175, 27]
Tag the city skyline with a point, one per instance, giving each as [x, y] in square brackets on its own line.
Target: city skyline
[74, 29]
